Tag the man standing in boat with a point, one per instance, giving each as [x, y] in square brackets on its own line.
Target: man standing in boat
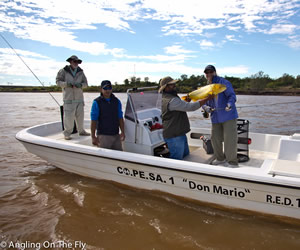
[224, 121]
[106, 119]
[174, 117]
[72, 79]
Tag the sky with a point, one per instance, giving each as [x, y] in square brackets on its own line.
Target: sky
[120, 39]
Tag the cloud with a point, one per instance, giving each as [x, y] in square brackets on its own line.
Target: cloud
[282, 29]
[294, 41]
[231, 38]
[177, 23]
[26, 53]
[234, 28]
[174, 53]
[205, 44]
[236, 70]
[177, 49]
[192, 17]
[116, 71]
[180, 58]
[10, 64]
[55, 22]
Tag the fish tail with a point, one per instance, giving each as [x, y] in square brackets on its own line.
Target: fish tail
[184, 97]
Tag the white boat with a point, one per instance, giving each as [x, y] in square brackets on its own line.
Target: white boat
[269, 182]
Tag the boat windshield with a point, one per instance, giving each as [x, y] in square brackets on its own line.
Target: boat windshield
[141, 101]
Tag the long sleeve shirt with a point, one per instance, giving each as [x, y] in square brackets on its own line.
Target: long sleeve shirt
[219, 103]
[176, 104]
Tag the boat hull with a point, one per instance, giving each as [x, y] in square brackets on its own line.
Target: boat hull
[229, 190]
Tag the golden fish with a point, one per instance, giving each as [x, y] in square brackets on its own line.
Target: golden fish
[204, 92]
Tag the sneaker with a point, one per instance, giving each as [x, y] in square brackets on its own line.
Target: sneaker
[67, 137]
[84, 133]
[228, 165]
[217, 162]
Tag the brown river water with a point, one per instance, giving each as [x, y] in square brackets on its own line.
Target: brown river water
[44, 207]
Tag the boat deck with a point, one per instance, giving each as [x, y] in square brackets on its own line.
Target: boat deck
[256, 158]
[197, 153]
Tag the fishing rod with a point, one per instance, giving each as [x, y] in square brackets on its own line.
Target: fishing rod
[29, 68]
[267, 104]
[258, 105]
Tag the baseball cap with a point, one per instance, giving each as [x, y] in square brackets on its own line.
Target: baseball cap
[105, 83]
[209, 67]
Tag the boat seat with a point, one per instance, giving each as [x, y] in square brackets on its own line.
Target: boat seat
[285, 168]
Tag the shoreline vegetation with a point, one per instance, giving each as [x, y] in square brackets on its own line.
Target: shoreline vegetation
[258, 84]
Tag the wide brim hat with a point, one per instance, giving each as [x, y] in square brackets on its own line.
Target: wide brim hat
[165, 81]
[74, 58]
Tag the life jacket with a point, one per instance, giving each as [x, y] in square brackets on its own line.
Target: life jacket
[108, 121]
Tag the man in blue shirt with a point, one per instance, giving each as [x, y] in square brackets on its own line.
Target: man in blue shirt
[224, 121]
[106, 119]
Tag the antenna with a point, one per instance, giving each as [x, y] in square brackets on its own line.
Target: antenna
[134, 70]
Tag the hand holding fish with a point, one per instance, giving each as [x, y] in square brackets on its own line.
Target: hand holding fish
[203, 101]
[187, 99]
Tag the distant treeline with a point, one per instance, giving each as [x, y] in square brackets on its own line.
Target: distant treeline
[256, 82]
[259, 83]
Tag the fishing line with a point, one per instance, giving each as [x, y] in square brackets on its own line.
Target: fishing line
[267, 104]
[28, 68]
[257, 105]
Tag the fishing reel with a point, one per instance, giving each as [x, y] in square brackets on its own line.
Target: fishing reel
[205, 114]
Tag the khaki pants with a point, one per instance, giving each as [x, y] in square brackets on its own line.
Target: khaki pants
[73, 111]
[110, 142]
[225, 132]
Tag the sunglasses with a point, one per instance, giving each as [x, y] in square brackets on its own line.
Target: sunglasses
[209, 72]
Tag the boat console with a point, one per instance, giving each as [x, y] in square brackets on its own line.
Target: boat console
[143, 123]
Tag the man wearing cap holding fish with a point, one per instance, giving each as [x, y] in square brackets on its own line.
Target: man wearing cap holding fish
[72, 79]
[224, 121]
[174, 117]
